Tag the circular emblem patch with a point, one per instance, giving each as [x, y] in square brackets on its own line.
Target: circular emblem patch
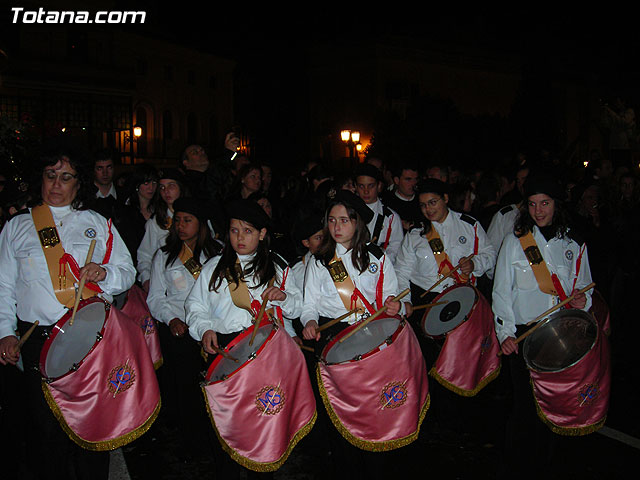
[121, 378]
[485, 345]
[148, 325]
[588, 394]
[569, 255]
[462, 239]
[373, 267]
[90, 233]
[270, 400]
[393, 395]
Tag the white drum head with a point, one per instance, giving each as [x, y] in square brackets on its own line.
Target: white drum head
[72, 343]
[362, 342]
[441, 319]
[241, 351]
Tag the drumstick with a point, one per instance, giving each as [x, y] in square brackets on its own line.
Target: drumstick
[336, 320]
[83, 280]
[219, 351]
[446, 276]
[258, 319]
[304, 347]
[427, 305]
[548, 312]
[26, 336]
[364, 323]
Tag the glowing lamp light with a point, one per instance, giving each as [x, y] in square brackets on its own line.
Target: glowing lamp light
[586, 164]
[359, 147]
[137, 131]
[355, 137]
[345, 134]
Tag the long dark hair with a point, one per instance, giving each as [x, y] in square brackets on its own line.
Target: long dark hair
[143, 173]
[161, 206]
[524, 222]
[204, 244]
[361, 238]
[261, 266]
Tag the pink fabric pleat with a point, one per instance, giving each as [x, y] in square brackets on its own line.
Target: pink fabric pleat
[136, 308]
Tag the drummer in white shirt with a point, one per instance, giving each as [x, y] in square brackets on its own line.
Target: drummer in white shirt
[29, 292]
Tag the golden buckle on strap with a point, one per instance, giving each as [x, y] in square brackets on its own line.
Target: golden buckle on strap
[193, 266]
[337, 271]
[533, 255]
[49, 237]
[437, 246]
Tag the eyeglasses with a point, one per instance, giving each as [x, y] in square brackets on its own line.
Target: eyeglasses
[433, 202]
[65, 177]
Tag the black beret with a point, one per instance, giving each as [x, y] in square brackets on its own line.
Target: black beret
[171, 173]
[350, 199]
[192, 206]
[250, 212]
[368, 170]
[543, 184]
[433, 185]
[308, 227]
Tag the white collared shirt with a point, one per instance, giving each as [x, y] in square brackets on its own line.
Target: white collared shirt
[392, 222]
[112, 192]
[26, 288]
[154, 238]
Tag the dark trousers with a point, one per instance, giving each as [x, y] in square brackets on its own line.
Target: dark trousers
[57, 455]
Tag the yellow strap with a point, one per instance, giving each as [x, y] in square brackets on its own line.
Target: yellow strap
[190, 263]
[62, 279]
[437, 247]
[343, 284]
[538, 265]
[240, 293]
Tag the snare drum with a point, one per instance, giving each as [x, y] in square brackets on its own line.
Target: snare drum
[98, 377]
[468, 359]
[263, 404]
[569, 363]
[374, 384]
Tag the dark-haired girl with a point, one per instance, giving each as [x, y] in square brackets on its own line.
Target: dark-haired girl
[371, 280]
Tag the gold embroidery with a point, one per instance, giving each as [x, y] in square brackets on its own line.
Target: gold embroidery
[337, 271]
[193, 266]
[49, 237]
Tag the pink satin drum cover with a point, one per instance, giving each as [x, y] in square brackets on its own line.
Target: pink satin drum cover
[469, 359]
[136, 308]
[113, 396]
[264, 407]
[378, 402]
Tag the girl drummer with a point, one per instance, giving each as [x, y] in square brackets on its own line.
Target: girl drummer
[541, 263]
[346, 258]
[174, 270]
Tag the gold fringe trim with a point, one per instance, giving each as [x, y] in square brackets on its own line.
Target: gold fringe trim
[460, 391]
[566, 431]
[251, 464]
[158, 364]
[104, 445]
[370, 446]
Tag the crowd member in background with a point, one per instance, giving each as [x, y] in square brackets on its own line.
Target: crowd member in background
[403, 198]
[171, 187]
[248, 180]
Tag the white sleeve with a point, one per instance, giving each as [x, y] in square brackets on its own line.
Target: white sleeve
[485, 259]
[8, 281]
[145, 252]
[292, 305]
[312, 292]
[199, 315]
[121, 274]
[405, 264]
[161, 309]
[503, 295]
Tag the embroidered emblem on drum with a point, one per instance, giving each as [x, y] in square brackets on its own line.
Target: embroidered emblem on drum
[393, 395]
[569, 255]
[462, 239]
[373, 267]
[148, 325]
[485, 345]
[588, 394]
[90, 233]
[270, 400]
[121, 378]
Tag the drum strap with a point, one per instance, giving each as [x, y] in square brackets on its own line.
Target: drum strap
[62, 279]
[444, 264]
[344, 285]
[240, 295]
[547, 282]
[189, 262]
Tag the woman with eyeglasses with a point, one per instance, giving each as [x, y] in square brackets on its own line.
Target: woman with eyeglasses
[42, 251]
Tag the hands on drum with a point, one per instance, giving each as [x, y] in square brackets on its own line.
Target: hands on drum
[94, 272]
[9, 353]
[210, 342]
[466, 265]
[310, 331]
[579, 300]
[393, 306]
[273, 293]
[509, 346]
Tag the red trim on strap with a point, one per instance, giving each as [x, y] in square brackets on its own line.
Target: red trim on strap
[578, 264]
[386, 242]
[107, 255]
[380, 283]
[559, 290]
[75, 270]
[358, 294]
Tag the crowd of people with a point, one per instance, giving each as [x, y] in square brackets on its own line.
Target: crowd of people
[210, 239]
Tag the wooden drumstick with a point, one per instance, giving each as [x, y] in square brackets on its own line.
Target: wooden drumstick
[25, 337]
[219, 351]
[446, 276]
[336, 320]
[364, 323]
[83, 280]
[427, 305]
[258, 319]
[308, 349]
[548, 312]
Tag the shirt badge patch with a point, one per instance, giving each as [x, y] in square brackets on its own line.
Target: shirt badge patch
[373, 267]
[462, 239]
[90, 233]
[569, 255]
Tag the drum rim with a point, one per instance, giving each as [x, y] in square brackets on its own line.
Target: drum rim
[57, 327]
[549, 319]
[342, 333]
[234, 342]
[467, 316]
